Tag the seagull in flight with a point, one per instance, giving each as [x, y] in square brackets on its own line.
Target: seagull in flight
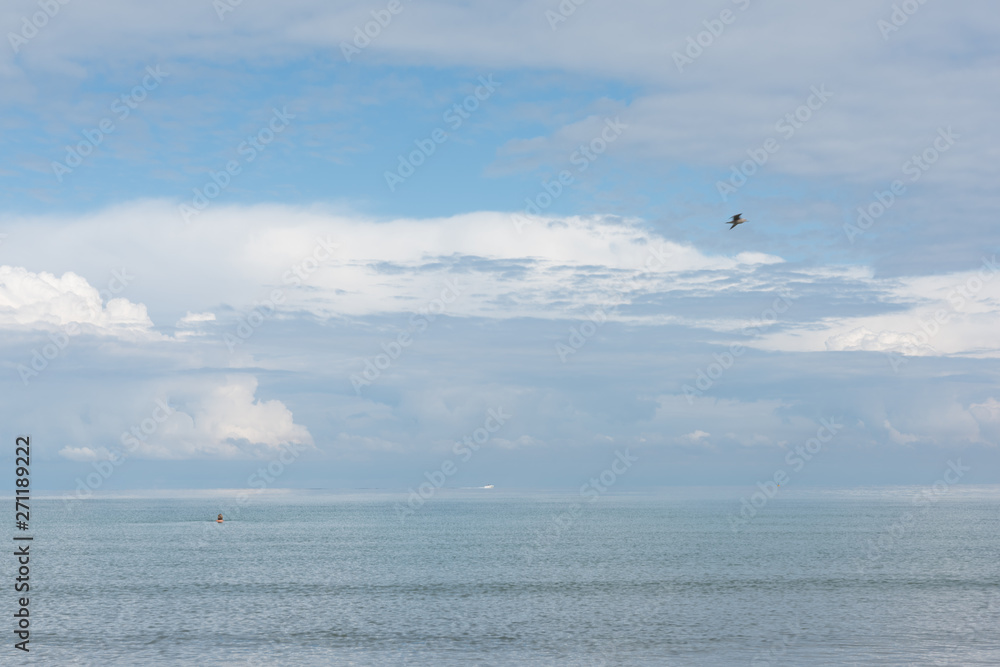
[737, 220]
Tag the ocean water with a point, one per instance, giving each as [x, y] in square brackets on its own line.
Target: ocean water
[488, 578]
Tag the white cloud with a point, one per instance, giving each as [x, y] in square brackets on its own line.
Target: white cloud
[225, 420]
[191, 324]
[86, 454]
[196, 318]
[897, 437]
[696, 436]
[42, 301]
[861, 339]
[956, 313]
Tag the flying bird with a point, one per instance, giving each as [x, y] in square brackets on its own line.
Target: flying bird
[737, 220]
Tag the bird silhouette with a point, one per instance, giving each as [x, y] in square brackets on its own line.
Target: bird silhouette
[737, 220]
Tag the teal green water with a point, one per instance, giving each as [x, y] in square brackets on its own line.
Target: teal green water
[475, 579]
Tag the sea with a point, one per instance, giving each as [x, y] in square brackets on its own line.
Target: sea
[880, 576]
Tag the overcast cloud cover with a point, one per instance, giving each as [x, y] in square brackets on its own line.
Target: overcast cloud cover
[219, 240]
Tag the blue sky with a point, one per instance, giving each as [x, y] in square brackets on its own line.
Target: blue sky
[618, 314]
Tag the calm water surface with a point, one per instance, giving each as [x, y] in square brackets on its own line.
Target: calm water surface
[483, 578]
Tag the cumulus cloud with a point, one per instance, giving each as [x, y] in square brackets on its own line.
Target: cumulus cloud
[898, 437]
[861, 339]
[31, 300]
[224, 420]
